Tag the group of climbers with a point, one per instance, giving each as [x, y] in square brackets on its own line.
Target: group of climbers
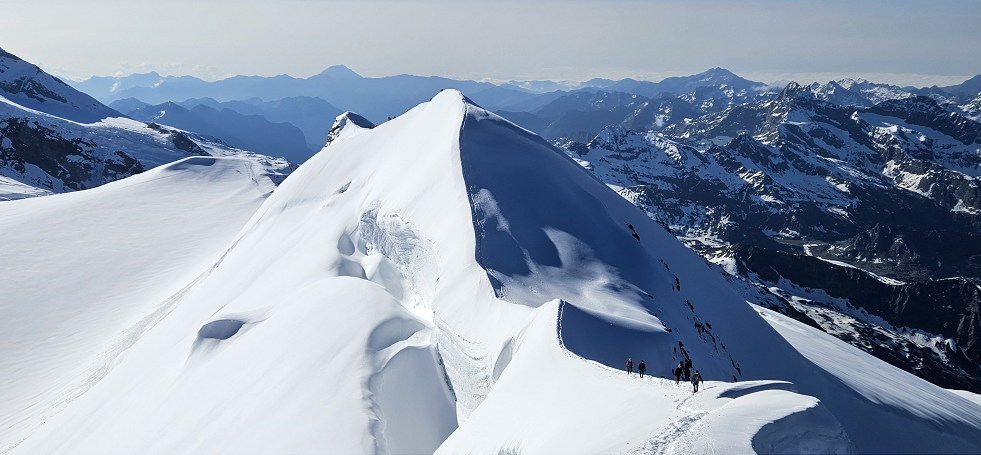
[640, 368]
[683, 370]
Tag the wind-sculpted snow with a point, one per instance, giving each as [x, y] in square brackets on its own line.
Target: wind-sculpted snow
[448, 282]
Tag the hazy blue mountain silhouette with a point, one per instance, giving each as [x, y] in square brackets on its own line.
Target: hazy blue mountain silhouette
[313, 116]
[375, 98]
[684, 84]
[248, 132]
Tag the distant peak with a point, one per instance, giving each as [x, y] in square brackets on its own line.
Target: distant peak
[720, 70]
[340, 72]
[717, 73]
[792, 90]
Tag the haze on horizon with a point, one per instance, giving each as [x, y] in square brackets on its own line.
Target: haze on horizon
[902, 42]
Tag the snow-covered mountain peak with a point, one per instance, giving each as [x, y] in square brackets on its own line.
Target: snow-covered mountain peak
[792, 90]
[972, 109]
[348, 123]
[27, 85]
[717, 74]
[858, 92]
[448, 281]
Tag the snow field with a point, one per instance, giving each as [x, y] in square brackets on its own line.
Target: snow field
[83, 274]
[357, 371]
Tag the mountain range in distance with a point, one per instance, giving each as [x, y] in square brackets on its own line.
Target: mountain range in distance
[547, 108]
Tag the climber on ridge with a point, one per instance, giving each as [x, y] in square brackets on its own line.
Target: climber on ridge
[695, 379]
[641, 368]
[630, 365]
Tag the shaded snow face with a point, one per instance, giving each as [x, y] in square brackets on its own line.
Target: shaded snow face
[513, 224]
[546, 229]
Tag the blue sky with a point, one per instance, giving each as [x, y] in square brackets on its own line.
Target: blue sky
[903, 42]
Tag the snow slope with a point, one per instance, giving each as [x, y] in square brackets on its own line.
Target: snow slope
[83, 274]
[448, 281]
[864, 377]
[29, 86]
[11, 189]
[582, 407]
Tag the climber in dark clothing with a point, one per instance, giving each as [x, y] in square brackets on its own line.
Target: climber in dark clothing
[630, 366]
[697, 378]
[641, 368]
[677, 372]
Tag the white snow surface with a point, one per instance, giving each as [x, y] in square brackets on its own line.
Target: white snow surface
[448, 282]
[969, 395]
[11, 189]
[879, 382]
[84, 274]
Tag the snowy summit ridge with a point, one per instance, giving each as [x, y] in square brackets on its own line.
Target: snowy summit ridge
[348, 123]
[449, 282]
